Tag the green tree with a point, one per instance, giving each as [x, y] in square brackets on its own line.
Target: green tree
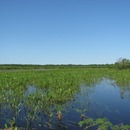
[122, 63]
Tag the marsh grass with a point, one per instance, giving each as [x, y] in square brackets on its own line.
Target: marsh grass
[53, 89]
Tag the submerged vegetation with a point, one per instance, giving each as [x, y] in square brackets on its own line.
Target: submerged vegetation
[42, 94]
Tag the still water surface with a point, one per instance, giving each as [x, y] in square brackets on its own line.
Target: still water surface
[104, 99]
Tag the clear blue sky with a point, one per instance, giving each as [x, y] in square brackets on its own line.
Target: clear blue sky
[64, 31]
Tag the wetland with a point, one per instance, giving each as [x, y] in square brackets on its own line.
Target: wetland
[65, 99]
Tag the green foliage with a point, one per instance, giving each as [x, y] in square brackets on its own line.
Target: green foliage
[53, 89]
[87, 122]
[11, 123]
[102, 124]
[46, 67]
[121, 127]
[123, 63]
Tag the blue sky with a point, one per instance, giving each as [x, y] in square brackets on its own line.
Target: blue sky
[64, 31]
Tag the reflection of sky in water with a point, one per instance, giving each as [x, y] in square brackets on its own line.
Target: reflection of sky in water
[33, 90]
[105, 99]
[30, 90]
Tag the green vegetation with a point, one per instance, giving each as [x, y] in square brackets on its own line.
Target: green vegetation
[52, 89]
[43, 67]
[102, 124]
[122, 63]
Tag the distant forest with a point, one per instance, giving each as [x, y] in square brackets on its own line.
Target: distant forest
[121, 63]
[69, 66]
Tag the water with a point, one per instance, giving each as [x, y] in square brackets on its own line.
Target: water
[105, 99]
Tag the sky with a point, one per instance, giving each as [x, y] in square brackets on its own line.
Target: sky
[64, 31]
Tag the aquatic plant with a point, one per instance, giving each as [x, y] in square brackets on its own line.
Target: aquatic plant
[102, 124]
[52, 89]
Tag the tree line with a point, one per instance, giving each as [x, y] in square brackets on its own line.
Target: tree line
[121, 63]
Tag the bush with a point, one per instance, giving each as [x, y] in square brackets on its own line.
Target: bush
[122, 63]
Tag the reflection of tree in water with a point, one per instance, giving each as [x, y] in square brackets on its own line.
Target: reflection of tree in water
[124, 93]
[124, 88]
[121, 80]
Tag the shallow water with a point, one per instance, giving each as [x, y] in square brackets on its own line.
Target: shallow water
[105, 99]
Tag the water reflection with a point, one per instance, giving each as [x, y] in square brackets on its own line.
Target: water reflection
[104, 99]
